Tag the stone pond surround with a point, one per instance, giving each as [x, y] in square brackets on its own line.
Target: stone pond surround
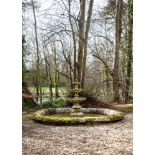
[45, 116]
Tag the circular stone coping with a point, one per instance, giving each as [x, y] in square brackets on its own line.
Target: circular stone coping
[42, 116]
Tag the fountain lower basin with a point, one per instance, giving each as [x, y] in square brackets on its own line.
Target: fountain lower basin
[62, 116]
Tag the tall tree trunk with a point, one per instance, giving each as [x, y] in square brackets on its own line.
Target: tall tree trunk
[129, 49]
[107, 82]
[118, 29]
[37, 46]
[81, 39]
[86, 42]
[50, 84]
[74, 42]
[48, 76]
[56, 73]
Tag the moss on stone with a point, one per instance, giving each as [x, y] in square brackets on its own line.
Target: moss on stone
[115, 117]
[62, 119]
[77, 110]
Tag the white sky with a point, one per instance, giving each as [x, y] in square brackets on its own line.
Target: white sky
[55, 10]
[46, 3]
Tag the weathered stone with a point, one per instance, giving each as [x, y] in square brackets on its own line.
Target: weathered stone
[105, 115]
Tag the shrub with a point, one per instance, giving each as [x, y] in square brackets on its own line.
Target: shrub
[56, 103]
[28, 106]
[59, 103]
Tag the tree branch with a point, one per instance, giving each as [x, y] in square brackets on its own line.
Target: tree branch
[98, 57]
[64, 74]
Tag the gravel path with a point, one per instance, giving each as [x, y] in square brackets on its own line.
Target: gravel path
[109, 139]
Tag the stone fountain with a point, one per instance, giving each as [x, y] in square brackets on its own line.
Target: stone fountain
[76, 99]
[77, 115]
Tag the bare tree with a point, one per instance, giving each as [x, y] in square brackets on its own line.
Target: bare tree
[83, 39]
[86, 41]
[68, 47]
[56, 74]
[38, 59]
[118, 29]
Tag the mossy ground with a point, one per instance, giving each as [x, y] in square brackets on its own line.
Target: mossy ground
[123, 107]
[27, 117]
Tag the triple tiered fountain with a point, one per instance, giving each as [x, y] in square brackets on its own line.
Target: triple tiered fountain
[76, 115]
[76, 99]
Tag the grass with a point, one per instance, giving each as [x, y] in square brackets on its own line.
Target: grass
[62, 90]
[30, 108]
[123, 107]
[59, 102]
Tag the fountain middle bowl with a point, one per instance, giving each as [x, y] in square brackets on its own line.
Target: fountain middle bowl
[76, 99]
[61, 116]
[76, 90]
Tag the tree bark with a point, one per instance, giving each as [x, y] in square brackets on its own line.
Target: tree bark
[48, 76]
[56, 73]
[81, 38]
[86, 42]
[118, 29]
[37, 46]
[74, 42]
[129, 49]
